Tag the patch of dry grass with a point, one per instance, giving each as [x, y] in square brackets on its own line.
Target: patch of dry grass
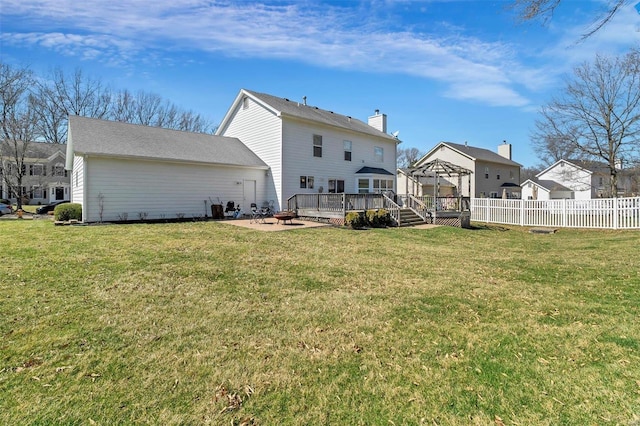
[203, 323]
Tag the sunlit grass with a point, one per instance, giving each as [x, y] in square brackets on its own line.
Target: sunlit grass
[206, 323]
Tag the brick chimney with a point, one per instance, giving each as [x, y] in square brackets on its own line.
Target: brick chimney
[504, 150]
[379, 121]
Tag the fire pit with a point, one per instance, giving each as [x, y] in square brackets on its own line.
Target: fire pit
[285, 216]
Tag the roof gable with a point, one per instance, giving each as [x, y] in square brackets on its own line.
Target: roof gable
[90, 136]
[285, 108]
[562, 163]
[472, 153]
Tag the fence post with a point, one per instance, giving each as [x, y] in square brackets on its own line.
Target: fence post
[522, 212]
[564, 213]
[615, 213]
[488, 213]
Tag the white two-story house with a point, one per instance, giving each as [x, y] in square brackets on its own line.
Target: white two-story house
[266, 149]
[312, 150]
[44, 179]
[576, 179]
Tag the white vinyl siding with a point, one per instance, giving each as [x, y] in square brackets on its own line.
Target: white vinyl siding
[77, 181]
[298, 159]
[164, 190]
[261, 131]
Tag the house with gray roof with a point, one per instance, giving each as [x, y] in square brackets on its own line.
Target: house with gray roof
[45, 179]
[579, 180]
[493, 174]
[310, 150]
[122, 171]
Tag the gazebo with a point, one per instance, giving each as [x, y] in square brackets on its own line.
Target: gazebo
[441, 206]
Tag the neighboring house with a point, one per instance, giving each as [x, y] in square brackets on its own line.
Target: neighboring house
[493, 174]
[311, 150]
[576, 179]
[45, 179]
[123, 171]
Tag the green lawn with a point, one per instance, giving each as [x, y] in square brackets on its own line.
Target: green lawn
[206, 323]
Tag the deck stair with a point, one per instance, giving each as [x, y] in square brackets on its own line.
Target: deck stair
[410, 218]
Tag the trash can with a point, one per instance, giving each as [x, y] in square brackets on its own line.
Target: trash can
[216, 211]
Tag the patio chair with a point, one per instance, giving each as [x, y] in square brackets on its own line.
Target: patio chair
[230, 210]
[257, 215]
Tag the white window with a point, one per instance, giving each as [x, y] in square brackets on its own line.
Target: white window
[317, 145]
[486, 173]
[347, 150]
[306, 182]
[36, 192]
[382, 185]
[336, 186]
[378, 154]
[363, 186]
[37, 170]
[498, 174]
[58, 170]
[245, 103]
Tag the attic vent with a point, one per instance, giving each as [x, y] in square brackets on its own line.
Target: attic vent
[286, 99]
[316, 107]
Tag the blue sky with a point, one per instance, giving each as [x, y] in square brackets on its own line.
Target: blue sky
[441, 70]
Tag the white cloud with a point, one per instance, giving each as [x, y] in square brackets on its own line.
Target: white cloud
[340, 37]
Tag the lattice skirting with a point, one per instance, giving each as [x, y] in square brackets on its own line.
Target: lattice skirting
[333, 220]
[459, 222]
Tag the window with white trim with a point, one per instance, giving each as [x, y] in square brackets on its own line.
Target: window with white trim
[378, 154]
[37, 170]
[347, 150]
[317, 145]
[306, 182]
[363, 186]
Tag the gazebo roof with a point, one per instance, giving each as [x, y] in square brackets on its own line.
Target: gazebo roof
[439, 167]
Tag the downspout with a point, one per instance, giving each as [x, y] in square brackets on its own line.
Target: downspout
[85, 181]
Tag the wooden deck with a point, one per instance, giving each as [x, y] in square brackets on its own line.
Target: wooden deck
[334, 207]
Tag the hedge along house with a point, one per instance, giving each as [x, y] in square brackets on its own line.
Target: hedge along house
[122, 171]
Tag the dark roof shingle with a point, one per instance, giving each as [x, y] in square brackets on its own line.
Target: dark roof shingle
[481, 154]
[318, 115]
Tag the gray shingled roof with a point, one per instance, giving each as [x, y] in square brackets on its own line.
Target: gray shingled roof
[35, 149]
[374, 170]
[312, 113]
[552, 185]
[481, 154]
[111, 138]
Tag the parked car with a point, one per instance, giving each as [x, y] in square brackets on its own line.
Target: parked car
[5, 209]
[49, 207]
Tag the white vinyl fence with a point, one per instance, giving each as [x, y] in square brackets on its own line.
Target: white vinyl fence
[609, 213]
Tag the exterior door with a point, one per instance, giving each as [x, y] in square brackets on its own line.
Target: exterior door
[59, 193]
[249, 194]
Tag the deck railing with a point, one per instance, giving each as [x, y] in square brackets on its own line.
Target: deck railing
[606, 213]
[333, 204]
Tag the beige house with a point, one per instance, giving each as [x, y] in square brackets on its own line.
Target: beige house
[494, 175]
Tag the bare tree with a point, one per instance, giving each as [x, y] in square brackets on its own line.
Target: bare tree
[551, 149]
[529, 10]
[150, 109]
[599, 113]
[62, 95]
[18, 127]
[406, 157]
[529, 173]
